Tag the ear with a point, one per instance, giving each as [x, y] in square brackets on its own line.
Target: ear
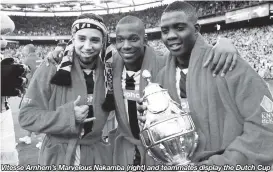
[73, 40]
[197, 28]
[145, 39]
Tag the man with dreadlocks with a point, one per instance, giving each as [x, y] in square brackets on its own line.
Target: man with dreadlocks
[65, 102]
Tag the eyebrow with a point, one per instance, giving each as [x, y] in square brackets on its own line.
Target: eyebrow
[96, 37]
[173, 24]
[130, 36]
[133, 35]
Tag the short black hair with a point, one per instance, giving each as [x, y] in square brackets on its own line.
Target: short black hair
[185, 7]
[130, 20]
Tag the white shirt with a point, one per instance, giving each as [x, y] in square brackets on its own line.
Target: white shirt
[135, 93]
[184, 101]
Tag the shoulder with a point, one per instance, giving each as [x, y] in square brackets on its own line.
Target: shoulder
[242, 68]
[160, 76]
[244, 75]
[116, 58]
[45, 72]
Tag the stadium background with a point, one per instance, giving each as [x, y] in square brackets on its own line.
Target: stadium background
[248, 23]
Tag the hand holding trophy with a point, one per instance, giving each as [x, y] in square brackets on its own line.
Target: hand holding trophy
[169, 133]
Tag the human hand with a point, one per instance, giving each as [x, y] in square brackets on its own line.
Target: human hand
[141, 108]
[55, 57]
[223, 55]
[81, 111]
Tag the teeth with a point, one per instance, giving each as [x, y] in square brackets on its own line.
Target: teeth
[174, 46]
[87, 53]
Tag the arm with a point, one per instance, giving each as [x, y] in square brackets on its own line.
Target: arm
[255, 104]
[223, 55]
[35, 114]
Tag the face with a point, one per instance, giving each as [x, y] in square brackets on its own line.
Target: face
[130, 42]
[88, 44]
[178, 32]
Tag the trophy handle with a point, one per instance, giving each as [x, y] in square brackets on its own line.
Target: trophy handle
[147, 75]
[195, 143]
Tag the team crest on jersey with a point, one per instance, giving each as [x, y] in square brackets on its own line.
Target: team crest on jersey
[267, 104]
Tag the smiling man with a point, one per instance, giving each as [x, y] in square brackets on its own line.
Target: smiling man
[227, 111]
[129, 61]
[131, 58]
[63, 102]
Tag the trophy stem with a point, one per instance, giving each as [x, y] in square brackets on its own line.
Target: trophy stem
[184, 162]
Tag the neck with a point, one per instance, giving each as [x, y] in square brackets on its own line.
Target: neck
[135, 66]
[91, 65]
[183, 61]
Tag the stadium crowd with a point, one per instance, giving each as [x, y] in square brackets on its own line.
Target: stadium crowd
[16, 51]
[50, 26]
[254, 45]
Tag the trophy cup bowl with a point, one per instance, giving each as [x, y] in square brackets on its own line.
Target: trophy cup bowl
[169, 134]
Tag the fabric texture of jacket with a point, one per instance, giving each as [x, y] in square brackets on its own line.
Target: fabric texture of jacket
[123, 141]
[49, 109]
[231, 113]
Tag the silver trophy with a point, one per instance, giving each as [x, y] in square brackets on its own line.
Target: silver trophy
[169, 133]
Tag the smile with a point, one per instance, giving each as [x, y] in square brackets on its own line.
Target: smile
[128, 53]
[175, 47]
[87, 53]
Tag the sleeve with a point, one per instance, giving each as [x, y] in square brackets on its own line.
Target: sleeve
[255, 104]
[160, 77]
[35, 114]
[161, 67]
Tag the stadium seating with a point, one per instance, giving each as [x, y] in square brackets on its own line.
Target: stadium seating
[61, 25]
[254, 44]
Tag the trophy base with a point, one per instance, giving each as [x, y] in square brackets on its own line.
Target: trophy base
[181, 161]
[184, 162]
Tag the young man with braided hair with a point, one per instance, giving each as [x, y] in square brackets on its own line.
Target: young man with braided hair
[65, 102]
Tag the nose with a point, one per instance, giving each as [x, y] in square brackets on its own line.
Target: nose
[171, 35]
[126, 45]
[88, 45]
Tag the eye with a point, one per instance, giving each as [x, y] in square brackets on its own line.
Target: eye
[134, 39]
[120, 39]
[81, 38]
[180, 28]
[164, 30]
[95, 40]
